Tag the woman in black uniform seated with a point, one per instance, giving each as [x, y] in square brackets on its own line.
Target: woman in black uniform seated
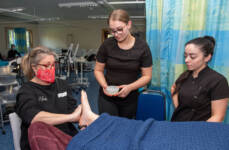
[44, 98]
[200, 93]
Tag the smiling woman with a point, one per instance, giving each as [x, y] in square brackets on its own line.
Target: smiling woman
[125, 58]
[200, 93]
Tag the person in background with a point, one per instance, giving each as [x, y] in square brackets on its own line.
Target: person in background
[1, 58]
[46, 100]
[13, 53]
[200, 93]
[128, 64]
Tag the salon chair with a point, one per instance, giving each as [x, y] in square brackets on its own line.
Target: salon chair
[15, 123]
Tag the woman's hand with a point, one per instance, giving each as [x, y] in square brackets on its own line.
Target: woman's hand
[125, 90]
[173, 87]
[76, 114]
[56, 119]
[105, 92]
[174, 96]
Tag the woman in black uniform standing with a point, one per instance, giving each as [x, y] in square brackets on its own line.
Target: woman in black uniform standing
[128, 64]
[200, 93]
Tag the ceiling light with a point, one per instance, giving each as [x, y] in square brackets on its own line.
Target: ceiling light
[106, 17]
[80, 4]
[48, 19]
[95, 4]
[126, 2]
[137, 17]
[98, 17]
[17, 9]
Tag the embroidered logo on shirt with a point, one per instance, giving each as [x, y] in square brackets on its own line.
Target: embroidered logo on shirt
[42, 99]
[59, 95]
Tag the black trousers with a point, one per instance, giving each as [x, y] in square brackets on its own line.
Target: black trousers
[116, 106]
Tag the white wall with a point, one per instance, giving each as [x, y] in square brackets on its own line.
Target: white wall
[87, 32]
[58, 35]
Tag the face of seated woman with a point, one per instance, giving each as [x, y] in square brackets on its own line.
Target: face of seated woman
[195, 59]
[45, 70]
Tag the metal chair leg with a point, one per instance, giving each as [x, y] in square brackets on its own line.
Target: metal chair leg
[2, 119]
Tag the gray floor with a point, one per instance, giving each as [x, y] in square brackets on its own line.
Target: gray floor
[6, 140]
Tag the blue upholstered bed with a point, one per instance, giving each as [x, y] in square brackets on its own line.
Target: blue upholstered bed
[114, 133]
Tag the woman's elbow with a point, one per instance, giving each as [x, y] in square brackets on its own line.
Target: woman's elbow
[148, 77]
[216, 118]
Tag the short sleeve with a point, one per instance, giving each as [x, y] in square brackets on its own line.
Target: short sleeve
[221, 90]
[101, 55]
[26, 106]
[146, 59]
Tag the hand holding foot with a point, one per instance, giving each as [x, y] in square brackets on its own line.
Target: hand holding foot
[87, 116]
[76, 114]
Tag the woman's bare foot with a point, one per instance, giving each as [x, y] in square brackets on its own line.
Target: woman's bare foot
[87, 116]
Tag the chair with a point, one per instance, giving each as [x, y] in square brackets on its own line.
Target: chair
[8, 84]
[151, 104]
[15, 123]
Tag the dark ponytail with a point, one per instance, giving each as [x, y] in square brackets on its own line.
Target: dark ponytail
[206, 44]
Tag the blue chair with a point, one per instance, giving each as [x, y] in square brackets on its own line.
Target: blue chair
[151, 104]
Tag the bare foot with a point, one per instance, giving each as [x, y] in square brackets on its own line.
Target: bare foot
[87, 116]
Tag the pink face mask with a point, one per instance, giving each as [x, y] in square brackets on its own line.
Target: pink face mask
[47, 75]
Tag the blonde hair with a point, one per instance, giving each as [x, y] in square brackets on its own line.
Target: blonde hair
[120, 15]
[33, 58]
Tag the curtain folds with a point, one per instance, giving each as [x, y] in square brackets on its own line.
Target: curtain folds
[20, 39]
[171, 23]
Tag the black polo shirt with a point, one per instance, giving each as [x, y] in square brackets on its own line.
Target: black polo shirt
[123, 66]
[33, 98]
[196, 94]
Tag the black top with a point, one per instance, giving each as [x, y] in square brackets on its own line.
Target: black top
[12, 54]
[196, 94]
[123, 66]
[33, 98]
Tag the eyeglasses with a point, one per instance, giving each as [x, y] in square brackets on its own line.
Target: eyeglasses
[118, 31]
[48, 66]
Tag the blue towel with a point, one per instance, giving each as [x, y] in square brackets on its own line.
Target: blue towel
[114, 133]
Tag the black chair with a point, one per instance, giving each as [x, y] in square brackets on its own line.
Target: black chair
[151, 104]
[8, 89]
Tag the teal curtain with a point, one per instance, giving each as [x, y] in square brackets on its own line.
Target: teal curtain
[171, 23]
[20, 39]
